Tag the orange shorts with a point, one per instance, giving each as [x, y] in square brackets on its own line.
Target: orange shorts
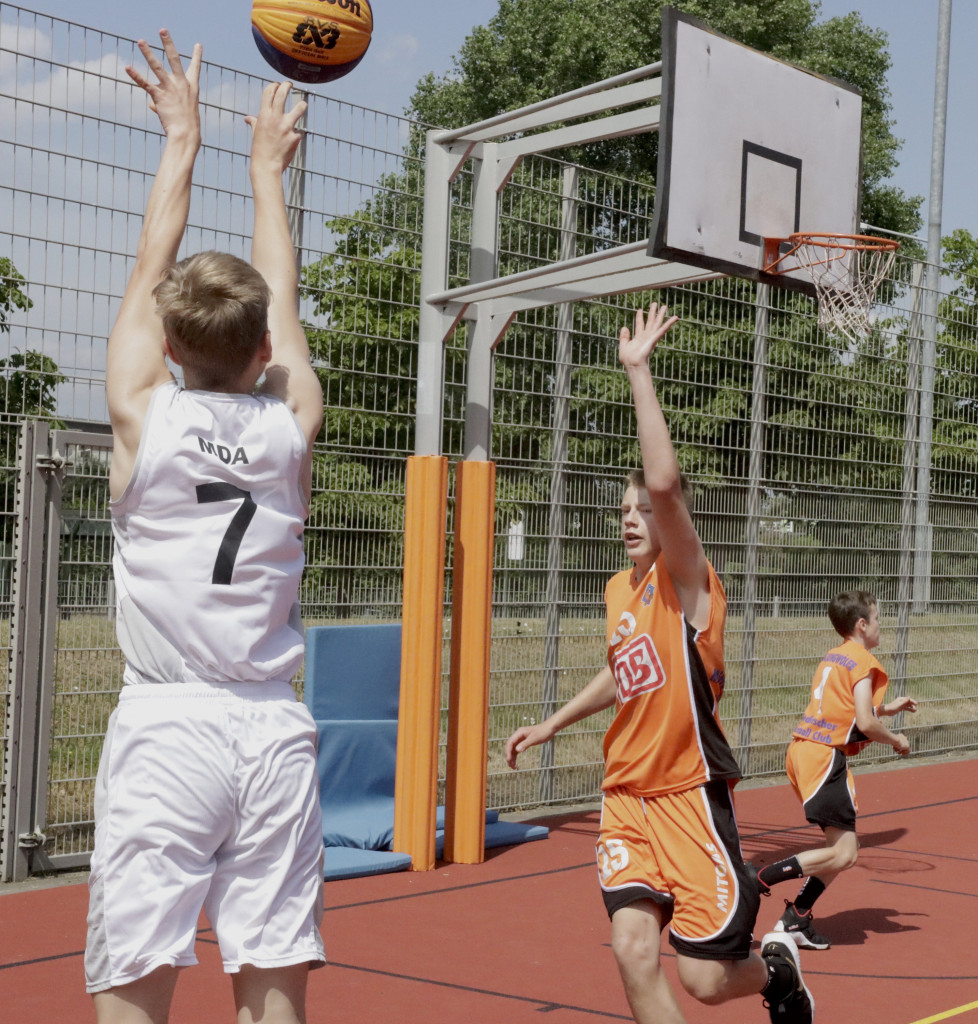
[820, 775]
[682, 851]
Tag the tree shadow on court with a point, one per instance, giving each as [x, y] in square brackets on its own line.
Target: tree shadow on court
[764, 849]
[854, 927]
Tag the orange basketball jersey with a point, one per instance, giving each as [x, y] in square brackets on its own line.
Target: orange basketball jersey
[666, 735]
[830, 717]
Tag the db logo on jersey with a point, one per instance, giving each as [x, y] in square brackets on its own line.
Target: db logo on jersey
[637, 668]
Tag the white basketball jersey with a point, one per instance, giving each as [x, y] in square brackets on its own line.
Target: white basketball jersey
[208, 541]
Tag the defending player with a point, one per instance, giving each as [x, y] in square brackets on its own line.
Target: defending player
[207, 792]
[668, 851]
[843, 716]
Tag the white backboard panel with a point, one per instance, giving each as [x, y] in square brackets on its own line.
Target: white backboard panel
[749, 147]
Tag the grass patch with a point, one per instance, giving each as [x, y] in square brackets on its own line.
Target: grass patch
[758, 718]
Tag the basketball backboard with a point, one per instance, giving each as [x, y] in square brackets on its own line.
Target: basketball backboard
[750, 147]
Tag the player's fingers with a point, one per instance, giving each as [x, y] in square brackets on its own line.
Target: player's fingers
[273, 98]
[282, 90]
[267, 95]
[296, 114]
[196, 58]
[624, 335]
[137, 77]
[151, 59]
[171, 51]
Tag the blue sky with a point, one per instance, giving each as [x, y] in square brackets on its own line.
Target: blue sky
[412, 38]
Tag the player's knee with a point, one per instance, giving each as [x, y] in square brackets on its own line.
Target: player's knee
[844, 856]
[705, 993]
[847, 859]
[633, 949]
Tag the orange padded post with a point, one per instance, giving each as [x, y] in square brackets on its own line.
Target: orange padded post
[468, 704]
[416, 782]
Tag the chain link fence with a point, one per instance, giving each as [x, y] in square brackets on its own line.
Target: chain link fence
[805, 450]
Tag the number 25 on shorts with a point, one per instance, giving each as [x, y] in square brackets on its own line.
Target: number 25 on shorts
[612, 857]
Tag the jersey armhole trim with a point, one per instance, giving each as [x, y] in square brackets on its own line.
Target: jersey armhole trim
[120, 505]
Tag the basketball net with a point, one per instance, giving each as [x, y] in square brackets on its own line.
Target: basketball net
[846, 271]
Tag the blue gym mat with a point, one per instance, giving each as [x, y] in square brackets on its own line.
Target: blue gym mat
[352, 689]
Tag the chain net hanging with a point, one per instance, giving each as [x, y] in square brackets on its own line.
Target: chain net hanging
[846, 270]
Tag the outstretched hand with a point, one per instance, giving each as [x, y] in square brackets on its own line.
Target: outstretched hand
[525, 736]
[275, 137]
[634, 350]
[173, 98]
[901, 704]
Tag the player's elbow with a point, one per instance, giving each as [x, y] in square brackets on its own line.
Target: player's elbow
[868, 725]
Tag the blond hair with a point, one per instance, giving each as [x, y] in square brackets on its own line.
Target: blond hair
[636, 478]
[214, 308]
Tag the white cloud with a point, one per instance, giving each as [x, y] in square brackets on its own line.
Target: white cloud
[21, 39]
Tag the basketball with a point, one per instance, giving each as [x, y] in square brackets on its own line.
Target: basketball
[312, 41]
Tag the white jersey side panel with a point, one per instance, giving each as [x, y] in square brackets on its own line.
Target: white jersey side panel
[208, 541]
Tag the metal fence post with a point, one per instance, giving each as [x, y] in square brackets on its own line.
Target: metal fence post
[932, 275]
[21, 833]
[753, 534]
[557, 517]
[905, 580]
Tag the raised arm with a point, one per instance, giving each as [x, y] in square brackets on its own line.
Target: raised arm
[682, 550]
[289, 375]
[135, 361]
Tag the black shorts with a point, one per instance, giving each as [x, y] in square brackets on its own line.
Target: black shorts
[820, 776]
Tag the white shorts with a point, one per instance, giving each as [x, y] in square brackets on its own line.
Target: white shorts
[207, 796]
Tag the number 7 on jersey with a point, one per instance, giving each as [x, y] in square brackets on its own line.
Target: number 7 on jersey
[231, 542]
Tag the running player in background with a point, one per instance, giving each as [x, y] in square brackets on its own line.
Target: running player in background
[843, 716]
[207, 794]
[668, 850]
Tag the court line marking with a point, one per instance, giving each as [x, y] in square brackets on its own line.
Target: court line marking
[924, 888]
[947, 1013]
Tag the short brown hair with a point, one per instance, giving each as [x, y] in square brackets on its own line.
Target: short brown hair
[847, 608]
[214, 308]
[636, 478]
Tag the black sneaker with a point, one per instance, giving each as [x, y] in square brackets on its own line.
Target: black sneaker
[801, 928]
[796, 1006]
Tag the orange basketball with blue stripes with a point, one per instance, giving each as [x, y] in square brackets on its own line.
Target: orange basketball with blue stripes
[312, 41]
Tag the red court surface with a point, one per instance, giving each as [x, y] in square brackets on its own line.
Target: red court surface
[523, 938]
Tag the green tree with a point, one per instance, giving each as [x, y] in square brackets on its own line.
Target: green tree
[955, 453]
[531, 50]
[29, 388]
[12, 295]
[30, 384]
[366, 291]
[29, 379]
